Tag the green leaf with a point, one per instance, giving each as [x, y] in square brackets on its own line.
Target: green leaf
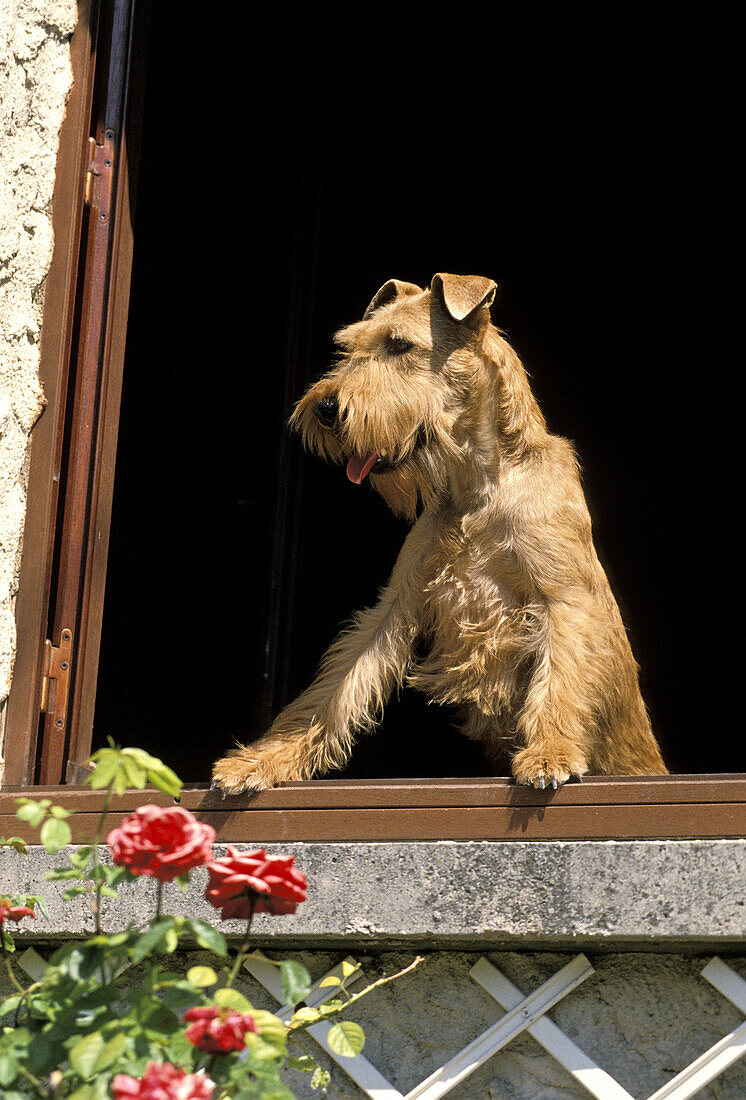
[231, 998]
[346, 1038]
[41, 905]
[165, 780]
[305, 1016]
[73, 892]
[85, 1054]
[170, 940]
[270, 1027]
[10, 1004]
[82, 857]
[43, 1055]
[137, 776]
[32, 812]
[331, 979]
[62, 874]
[60, 812]
[178, 995]
[156, 1017]
[85, 1092]
[296, 981]
[105, 770]
[7, 940]
[151, 939]
[8, 1069]
[55, 834]
[260, 1049]
[304, 1064]
[15, 842]
[202, 976]
[321, 1078]
[159, 775]
[207, 936]
[111, 1053]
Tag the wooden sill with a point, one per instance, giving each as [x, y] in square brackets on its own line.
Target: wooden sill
[621, 808]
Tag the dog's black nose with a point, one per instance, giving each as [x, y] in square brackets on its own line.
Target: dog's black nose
[326, 410]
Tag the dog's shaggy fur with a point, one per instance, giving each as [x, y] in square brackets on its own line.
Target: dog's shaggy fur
[497, 584]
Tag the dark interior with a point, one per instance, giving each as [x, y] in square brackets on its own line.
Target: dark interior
[583, 159]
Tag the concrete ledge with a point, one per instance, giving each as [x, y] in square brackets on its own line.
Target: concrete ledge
[555, 894]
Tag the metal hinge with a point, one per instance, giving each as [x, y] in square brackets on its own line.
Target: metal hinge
[100, 175]
[57, 663]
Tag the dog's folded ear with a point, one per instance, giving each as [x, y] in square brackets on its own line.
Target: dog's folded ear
[463, 295]
[394, 288]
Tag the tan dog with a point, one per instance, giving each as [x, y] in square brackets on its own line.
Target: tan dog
[498, 582]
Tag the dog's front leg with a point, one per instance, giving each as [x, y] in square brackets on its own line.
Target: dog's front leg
[315, 733]
[555, 722]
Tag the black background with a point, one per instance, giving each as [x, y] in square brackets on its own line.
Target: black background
[586, 159]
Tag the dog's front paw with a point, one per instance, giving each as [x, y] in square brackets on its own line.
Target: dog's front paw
[239, 772]
[539, 768]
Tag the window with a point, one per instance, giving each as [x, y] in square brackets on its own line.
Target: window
[284, 174]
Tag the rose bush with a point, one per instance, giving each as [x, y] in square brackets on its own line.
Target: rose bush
[88, 1029]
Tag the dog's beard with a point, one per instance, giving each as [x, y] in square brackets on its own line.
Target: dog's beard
[419, 482]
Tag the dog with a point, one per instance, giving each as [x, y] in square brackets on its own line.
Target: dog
[497, 603]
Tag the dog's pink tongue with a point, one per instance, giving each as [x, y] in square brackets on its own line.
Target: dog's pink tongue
[358, 467]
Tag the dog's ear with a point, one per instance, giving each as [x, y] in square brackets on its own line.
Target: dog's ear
[394, 288]
[463, 295]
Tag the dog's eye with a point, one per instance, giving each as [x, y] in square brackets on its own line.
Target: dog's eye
[397, 345]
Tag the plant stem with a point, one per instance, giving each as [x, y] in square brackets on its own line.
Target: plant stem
[158, 899]
[363, 993]
[244, 948]
[6, 959]
[96, 899]
[33, 1080]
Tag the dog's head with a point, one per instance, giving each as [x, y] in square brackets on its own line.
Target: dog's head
[400, 405]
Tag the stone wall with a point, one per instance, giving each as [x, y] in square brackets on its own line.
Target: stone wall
[649, 916]
[35, 79]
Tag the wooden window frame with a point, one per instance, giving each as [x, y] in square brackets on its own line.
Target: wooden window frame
[66, 544]
[601, 808]
[73, 450]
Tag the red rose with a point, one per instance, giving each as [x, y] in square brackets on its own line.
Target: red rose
[253, 882]
[218, 1029]
[163, 1082]
[162, 842]
[8, 911]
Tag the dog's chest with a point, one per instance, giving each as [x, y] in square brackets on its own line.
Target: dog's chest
[472, 603]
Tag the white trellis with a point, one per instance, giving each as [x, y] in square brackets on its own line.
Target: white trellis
[523, 1013]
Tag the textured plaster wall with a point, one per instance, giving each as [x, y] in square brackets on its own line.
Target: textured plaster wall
[35, 79]
[641, 1017]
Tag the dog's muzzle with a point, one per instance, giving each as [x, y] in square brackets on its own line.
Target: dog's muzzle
[326, 411]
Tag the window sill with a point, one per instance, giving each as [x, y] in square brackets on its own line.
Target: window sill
[619, 808]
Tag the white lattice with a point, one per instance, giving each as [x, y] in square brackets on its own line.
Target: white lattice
[525, 1013]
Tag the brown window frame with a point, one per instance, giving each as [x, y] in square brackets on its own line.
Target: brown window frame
[66, 544]
[601, 808]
